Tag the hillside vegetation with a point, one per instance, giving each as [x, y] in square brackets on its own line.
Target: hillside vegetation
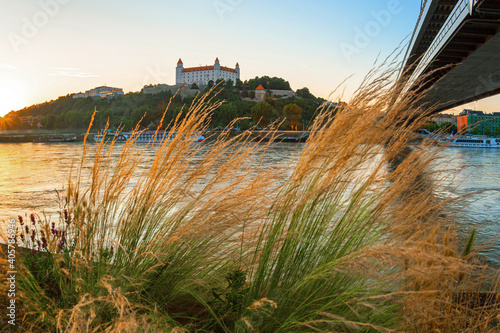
[130, 109]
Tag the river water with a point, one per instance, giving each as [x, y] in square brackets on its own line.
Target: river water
[32, 173]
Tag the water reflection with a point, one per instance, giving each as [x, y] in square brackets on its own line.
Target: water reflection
[31, 173]
[482, 173]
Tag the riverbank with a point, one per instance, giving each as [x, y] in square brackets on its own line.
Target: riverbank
[58, 136]
[20, 136]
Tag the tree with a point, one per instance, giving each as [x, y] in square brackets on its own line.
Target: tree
[304, 93]
[293, 113]
[244, 93]
[107, 116]
[268, 82]
[226, 113]
[194, 86]
[252, 94]
[432, 127]
[49, 121]
[60, 121]
[448, 128]
[144, 113]
[239, 84]
[179, 111]
[497, 131]
[244, 124]
[210, 83]
[229, 84]
[262, 113]
[74, 119]
[488, 131]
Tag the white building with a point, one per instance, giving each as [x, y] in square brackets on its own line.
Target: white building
[443, 118]
[202, 75]
[100, 92]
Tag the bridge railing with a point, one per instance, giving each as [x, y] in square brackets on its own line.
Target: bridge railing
[424, 10]
[449, 28]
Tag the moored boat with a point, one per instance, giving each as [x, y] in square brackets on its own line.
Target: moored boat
[471, 141]
[57, 138]
[143, 137]
[289, 139]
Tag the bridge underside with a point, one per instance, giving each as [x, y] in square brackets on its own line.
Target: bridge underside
[476, 77]
[467, 67]
[431, 25]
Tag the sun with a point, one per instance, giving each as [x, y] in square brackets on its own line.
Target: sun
[11, 97]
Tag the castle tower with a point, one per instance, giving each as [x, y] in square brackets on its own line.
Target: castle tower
[238, 71]
[260, 93]
[178, 72]
[217, 70]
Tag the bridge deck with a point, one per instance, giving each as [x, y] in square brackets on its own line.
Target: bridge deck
[459, 53]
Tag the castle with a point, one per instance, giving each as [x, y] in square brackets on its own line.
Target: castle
[202, 75]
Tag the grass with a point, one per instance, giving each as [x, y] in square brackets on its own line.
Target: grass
[352, 236]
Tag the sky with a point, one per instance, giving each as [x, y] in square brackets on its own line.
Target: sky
[51, 48]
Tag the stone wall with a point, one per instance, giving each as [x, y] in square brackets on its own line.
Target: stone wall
[183, 90]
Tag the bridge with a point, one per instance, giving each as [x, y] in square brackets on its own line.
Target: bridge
[455, 47]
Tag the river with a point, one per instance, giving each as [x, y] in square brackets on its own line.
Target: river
[31, 173]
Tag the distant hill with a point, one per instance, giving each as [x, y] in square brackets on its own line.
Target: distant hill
[75, 113]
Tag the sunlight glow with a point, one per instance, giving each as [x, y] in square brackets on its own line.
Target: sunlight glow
[12, 97]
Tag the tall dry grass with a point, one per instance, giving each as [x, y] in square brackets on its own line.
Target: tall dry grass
[355, 235]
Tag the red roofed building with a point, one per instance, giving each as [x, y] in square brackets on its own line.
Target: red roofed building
[260, 93]
[203, 74]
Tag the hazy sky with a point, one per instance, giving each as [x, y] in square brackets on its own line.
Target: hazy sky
[51, 48]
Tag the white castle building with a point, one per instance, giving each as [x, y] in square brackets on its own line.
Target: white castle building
[204, 74]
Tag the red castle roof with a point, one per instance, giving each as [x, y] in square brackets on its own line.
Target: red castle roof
[208, 68]
[227, 69]
[260, 87]
[197, 69]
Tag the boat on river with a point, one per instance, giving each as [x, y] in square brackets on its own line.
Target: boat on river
[57, 138]
[472, 141]
[468, 141]
[289, 139]
[144, 136]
